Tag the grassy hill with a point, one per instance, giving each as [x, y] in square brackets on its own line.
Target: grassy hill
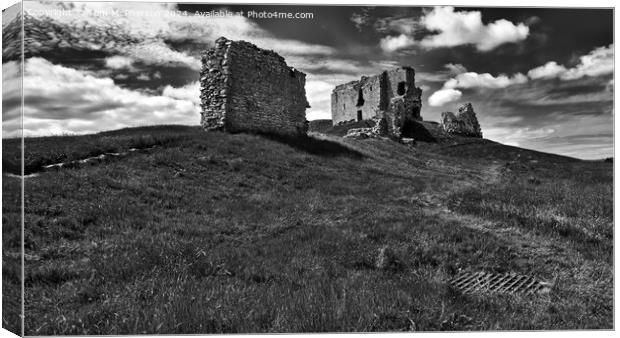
[213, 232]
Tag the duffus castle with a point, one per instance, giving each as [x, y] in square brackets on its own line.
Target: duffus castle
[246, 88]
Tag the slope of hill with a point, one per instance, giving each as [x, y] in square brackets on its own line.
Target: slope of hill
[216, 232]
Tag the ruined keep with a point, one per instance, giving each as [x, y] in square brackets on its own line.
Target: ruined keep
[390, 97]
[245, 88]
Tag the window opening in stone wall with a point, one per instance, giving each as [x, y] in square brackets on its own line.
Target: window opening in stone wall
[359, 115]
[401, 88]
[360, 98]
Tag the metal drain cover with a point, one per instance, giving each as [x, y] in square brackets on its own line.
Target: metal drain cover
[469, 282]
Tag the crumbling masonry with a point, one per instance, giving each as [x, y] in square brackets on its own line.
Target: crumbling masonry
[391, 98]
[465, 123]
[245, 88]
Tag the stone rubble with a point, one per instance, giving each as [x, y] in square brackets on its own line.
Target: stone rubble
[360, 133]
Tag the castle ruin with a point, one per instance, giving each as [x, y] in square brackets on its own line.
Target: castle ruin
[390, 97]
[245, 88]
[464, 123]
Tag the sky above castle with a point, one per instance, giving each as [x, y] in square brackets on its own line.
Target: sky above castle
[537, 78]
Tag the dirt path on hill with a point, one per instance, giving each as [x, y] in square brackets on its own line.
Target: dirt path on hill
[528, 246]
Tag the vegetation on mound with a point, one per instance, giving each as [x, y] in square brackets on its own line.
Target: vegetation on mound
[41, 151]
[216, 232]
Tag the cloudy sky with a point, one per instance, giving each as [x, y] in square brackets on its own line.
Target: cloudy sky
[538, 78]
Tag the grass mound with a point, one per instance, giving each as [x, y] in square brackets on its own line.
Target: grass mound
[214, 232]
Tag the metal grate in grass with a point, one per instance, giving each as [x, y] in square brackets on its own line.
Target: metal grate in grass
[470, 282]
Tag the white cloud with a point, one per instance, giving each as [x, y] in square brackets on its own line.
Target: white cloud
[486, 80]
[11, 98]
[393, 43]
[599, 61]
[449, 92]
[118, 62]
[455, 29]
[189, 92]
[456, 69]
[61, 100]
[318, 92]
[158, 53]
[443, 96]
[547, 71]
[460, 28]
[143, 77]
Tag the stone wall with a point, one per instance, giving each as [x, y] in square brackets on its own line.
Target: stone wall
[371, 96]
[362, 98]
[245, 88]
[404, 78]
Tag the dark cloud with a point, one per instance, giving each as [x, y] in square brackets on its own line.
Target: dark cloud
[562, 90]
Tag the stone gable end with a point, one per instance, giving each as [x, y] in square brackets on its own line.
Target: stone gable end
[245, 88]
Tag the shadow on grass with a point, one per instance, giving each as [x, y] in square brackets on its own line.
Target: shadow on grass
[11, 167]
[418, 132]
[315, 146]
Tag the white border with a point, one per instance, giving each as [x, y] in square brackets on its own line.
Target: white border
[463, 3]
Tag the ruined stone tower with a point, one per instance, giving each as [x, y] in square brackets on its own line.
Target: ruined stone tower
[245, 88]
[391, 95]
[465, 123]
